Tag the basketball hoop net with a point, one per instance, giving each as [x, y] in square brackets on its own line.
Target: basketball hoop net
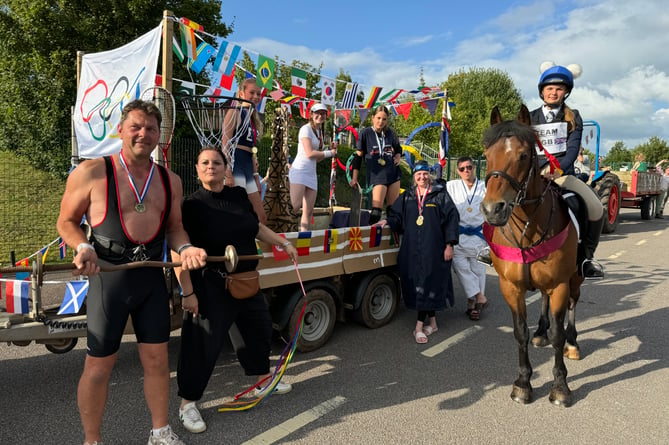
[219, 121]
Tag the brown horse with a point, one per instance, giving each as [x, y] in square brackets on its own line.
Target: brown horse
[533, 245]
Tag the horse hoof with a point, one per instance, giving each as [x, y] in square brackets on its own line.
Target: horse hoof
[560, 398]
[572, 352]
[540, 341]
[521, 395]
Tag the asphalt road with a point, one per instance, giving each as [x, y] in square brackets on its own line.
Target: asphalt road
[379, 386]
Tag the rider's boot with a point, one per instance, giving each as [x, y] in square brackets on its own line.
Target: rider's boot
[483, 256]
[591, 267]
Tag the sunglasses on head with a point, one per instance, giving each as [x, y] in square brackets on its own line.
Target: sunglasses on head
[466, 167]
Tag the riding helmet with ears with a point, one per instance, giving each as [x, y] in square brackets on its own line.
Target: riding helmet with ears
[554, 74]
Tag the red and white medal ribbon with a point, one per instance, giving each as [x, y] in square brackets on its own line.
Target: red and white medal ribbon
[139, 197]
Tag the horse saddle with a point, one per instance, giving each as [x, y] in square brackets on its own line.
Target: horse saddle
[578, 213]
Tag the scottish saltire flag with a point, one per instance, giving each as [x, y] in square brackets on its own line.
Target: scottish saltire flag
[303, 243]
[350, 95]
[16, 296]
[204, 53]
[75, 292]
[226, 57]
[328, 91]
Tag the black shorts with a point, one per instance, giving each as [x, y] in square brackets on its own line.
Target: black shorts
[113, 296]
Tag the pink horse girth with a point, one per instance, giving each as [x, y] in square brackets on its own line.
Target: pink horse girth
[525, 255]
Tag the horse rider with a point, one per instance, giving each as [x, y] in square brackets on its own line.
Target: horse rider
[559, 129]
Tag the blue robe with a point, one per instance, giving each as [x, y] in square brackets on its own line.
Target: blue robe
[426, 278]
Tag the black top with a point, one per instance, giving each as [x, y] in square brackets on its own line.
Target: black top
[110, 239]
[214, 220]
[380, 146]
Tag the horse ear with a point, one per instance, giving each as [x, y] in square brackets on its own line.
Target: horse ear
[495, 116]
[524, 115]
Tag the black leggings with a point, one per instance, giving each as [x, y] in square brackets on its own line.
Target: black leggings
[424, 315]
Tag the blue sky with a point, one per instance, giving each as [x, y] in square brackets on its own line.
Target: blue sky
[620, 45]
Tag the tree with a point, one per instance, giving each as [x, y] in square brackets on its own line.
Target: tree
[654, 150]
[475, 93]
[618, 154]
[38, 50]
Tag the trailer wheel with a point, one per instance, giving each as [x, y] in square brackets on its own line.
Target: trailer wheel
[379, 302]
[62, 346]
[320, 315]
[648, 207]
[608, 190]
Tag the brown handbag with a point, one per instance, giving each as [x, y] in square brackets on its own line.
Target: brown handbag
[243, 285]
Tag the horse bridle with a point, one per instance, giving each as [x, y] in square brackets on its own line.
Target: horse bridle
[520, 188]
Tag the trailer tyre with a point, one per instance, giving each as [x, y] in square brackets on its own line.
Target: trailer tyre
[319, 320]
[648, 207]
[62, 346]
[379, 302]
[608, 190]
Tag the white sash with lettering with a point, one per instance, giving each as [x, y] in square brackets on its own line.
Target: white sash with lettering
[553, 137]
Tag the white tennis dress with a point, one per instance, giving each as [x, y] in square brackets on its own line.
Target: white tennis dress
[303, 170]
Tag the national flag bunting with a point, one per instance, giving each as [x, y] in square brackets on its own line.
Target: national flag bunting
[265, 71]
[188, 44]
[375, 236]
[278, 252]
[226, 57]
[191, 24]
[44, 251]
[391, 95]
[75, 292]
[186, 89]
[303, 243]
[299, 82]
[372, 97]
[445, 132]
[202, 56]
[355, 239]
[62, 248]
[394, 239]
[16, 296]
[330, 240]
[350, 96]
[404, 109]
[328, 91]
[176, 48]
[22, 275]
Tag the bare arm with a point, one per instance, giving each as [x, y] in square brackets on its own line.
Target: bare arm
[74, 205]
[189, 300]
[177, 238]
[268, 236]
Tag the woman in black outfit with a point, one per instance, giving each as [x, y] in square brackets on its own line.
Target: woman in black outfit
[216, 216]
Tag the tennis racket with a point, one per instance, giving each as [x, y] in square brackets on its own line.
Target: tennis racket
[164, 100]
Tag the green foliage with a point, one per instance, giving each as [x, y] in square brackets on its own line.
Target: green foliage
[654, 150]
[38, 51]
[475, 93]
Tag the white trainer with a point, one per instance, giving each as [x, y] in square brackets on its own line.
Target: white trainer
[191, 418]
[166, 437]
[281, 388]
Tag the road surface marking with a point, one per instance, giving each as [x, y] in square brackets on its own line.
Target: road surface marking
[288, 427]
[617, 255]
[452, 341]
[642, 242]
[658, 233]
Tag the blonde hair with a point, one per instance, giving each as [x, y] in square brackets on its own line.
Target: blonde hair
[254, 113]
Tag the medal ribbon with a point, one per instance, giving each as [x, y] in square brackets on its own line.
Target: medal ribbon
[476, 185]
[381, 142]
[421, 199]
[138, 196]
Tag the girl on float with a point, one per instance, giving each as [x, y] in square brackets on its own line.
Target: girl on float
[382, 151]
[559, 129]
[302, 173]
[246, 138]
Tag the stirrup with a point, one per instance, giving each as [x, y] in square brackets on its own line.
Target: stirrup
[483, 257]
[596, 270]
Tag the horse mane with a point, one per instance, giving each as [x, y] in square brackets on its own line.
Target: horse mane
[523, 132]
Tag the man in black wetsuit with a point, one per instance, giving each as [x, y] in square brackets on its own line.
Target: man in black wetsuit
[132, 206]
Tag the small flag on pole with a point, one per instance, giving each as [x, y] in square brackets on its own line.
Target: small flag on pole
[16, 296]
[75, 292]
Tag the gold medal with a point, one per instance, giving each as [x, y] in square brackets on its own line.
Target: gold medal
[469, 209]
[382, 162]
[140, 207]
[419, 220]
